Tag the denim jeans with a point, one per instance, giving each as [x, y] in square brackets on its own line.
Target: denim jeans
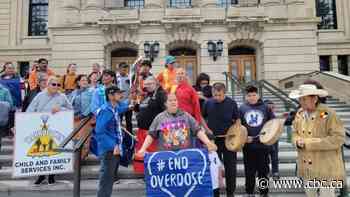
[109, 165]
[274, 158]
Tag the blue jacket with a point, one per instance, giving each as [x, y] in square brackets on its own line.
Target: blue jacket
[14, 87]
[81, 100]
[5, 95]
[98, 99]
[107, 131]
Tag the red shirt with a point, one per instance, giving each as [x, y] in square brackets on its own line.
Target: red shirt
[188, 100]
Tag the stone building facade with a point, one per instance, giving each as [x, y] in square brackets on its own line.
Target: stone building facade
[260, 39]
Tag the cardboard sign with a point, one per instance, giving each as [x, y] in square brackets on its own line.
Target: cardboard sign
[183, 173]
[37, 135]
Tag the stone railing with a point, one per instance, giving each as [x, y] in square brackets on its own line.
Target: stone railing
[331, 81]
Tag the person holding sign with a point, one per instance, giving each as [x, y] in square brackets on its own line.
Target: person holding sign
[49, 100]
[109, 138]
[221, 113]
[147, 110]
[175, 130]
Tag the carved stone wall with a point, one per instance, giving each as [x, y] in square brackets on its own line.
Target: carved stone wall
[245, 31]
[182, 32]
[120, 33]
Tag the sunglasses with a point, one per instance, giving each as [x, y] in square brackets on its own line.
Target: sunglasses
[55, 84]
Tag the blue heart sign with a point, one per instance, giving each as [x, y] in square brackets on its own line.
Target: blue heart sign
[184, 173]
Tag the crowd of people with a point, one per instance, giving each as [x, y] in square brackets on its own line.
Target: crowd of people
[172, 114]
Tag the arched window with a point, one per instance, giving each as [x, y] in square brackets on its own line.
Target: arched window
[134, 3]
[327, 11]
[180, 3]
[227, 3]
[38, 17]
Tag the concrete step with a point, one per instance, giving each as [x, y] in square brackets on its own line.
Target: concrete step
[283, 146]
[135, 188]
[285, 156]
[92, 172]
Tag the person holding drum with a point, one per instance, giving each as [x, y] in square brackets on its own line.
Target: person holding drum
[254, 114]
[318, 135]
[221, 113]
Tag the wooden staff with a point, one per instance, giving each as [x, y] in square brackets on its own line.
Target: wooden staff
[136, 84]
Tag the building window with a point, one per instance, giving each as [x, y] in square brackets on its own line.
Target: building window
[180, 3]
[325, 63]
[134, 4]
[227, 3]
[38, 17]
[327, 11]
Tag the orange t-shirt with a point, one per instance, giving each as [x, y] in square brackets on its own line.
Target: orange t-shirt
[33, 78]
[167, 79]
[68, 82]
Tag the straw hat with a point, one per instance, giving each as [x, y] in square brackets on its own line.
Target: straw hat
[307, 90]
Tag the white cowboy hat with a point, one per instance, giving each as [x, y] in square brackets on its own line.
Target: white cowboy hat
[307, 90]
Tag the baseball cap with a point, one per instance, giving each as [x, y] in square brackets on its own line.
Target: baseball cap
[108, 72]
[123, 65]
[112, 90]
[169, 59]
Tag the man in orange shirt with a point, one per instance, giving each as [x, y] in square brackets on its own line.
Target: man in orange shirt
[167, 78]
[41, 68]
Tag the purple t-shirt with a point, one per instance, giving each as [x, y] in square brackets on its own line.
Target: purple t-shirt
[174, 131]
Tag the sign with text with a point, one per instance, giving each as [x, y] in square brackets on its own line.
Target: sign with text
[37, 136]
[183, 173]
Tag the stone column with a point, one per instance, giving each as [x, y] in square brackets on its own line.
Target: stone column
[334, 64]
[154, 3]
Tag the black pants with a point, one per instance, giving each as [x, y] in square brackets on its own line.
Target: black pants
[128, 120]
[229, 159]
[256, 160]
[216, 192]
[274, 158]
[51, 176]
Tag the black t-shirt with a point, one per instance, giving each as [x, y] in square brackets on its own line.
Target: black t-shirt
[150, 107]
[220, 116]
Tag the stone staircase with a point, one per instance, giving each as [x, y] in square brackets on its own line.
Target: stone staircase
[90, 168]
